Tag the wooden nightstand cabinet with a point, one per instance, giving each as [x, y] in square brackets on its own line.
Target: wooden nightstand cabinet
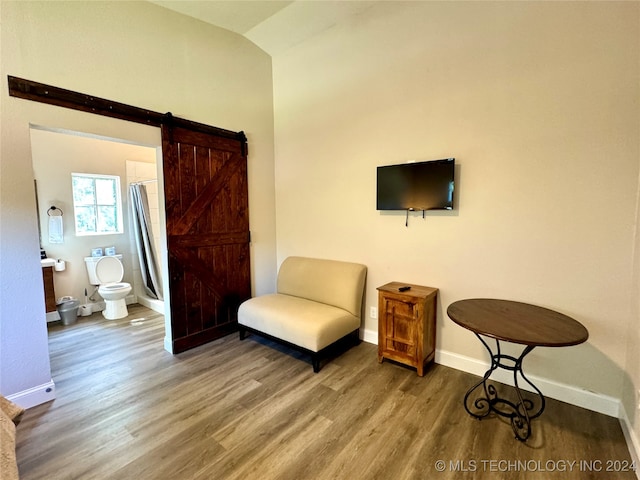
[407, 324]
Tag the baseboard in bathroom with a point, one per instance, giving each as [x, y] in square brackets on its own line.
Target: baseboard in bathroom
[98, 306]
[35, 395]
[154, 304]
[101, 305]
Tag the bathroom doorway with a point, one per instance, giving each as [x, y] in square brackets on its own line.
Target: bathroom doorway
[229, 285]
[55, 155]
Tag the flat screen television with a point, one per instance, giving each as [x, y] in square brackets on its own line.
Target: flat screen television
[416, 186]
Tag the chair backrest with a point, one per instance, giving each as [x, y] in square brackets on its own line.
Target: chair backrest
[336, 283]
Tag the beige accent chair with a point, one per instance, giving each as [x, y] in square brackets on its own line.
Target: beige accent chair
[318, 303]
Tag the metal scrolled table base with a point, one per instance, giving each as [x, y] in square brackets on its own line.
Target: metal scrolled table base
[520, 413]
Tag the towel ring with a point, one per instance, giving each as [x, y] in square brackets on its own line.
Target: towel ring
[54, 208]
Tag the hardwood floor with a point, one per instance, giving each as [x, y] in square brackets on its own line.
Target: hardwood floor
[126, 408]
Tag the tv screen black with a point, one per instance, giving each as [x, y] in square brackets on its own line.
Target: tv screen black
[416, 186]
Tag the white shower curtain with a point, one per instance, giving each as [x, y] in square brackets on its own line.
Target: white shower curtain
[147, 255]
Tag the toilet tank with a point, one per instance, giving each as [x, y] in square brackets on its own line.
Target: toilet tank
[91, 263]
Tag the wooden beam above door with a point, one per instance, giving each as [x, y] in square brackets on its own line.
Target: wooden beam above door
[61, 97]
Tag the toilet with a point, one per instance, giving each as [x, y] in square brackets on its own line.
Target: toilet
[107, 272]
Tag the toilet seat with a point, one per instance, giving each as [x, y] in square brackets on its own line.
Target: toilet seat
[114, 286]
[109, 272]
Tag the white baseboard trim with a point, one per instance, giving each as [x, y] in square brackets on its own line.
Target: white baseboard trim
[168, 344]
[566, 393]
[35, 395]
[370, 336]
[632, 440]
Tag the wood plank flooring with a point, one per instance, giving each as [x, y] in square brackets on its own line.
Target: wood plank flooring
[127, 409]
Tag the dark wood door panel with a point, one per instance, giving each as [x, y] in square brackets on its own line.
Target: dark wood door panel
[208, 234]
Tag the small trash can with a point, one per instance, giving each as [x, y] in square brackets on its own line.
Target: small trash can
[68, 311]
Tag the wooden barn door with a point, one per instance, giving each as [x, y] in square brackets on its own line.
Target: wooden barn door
[206, 201]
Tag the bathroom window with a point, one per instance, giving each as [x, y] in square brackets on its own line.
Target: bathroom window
[97, 205]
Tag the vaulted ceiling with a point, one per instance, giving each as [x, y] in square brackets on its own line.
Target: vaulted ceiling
[274, 25]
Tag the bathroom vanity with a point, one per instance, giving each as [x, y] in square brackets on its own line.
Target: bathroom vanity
[49, 292]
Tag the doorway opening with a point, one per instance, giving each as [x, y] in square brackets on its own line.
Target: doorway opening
[206, 219]
[56, 154]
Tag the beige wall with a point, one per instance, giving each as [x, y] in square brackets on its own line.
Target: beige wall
[538, 102]
[136, 53]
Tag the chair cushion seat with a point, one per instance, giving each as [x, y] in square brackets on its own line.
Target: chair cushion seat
[306, 323]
